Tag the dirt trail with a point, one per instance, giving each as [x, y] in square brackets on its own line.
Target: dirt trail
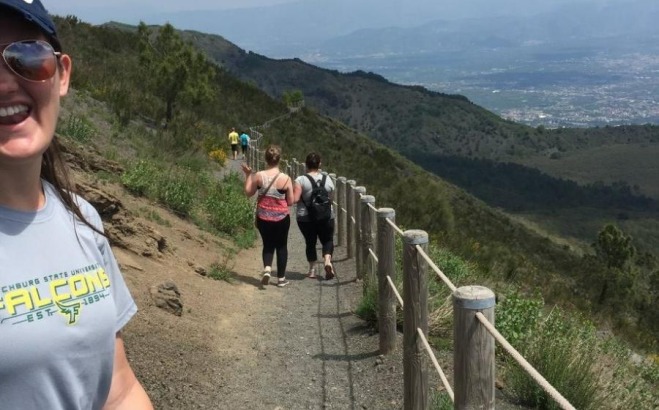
[237, 346]
[305, 348]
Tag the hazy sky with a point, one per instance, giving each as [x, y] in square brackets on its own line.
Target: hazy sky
[101, 11]
[132, 11]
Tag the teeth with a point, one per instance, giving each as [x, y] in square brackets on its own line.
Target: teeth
[15, 109]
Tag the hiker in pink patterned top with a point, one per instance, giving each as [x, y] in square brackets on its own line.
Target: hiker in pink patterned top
[275, 195]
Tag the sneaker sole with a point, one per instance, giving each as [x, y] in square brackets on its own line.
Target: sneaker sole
[265, 280]
[329, 274]
[282, 284]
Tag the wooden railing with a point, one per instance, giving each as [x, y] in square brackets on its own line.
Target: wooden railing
[368, 233]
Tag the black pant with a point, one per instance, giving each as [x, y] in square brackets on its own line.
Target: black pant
[312, 230]
[275, 238]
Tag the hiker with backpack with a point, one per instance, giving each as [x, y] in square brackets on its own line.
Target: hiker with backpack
[315, 217]
[275, 195]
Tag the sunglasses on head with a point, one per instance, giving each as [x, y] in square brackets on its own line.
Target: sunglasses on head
[32, 60]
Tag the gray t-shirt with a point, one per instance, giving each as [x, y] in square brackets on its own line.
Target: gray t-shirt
[62, 299]
[302, 212]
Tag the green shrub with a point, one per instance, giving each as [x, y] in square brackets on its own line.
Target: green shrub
[440, 401]
[141, 178]
[77, 128]
[219, 271]
[368, 305]
[516, 316]
[246, 238]
[178, 191]
[228, 209]
[564, 350]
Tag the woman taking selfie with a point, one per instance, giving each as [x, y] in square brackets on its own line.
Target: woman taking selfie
[63, 301]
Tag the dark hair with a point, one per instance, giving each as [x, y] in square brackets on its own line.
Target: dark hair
[273, 155]
[55, 171]
[313, 161]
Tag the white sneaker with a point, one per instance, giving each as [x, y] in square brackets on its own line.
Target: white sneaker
[265, 279]
[282, 282]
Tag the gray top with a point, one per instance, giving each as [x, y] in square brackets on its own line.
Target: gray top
[62, 299]
[302, 212]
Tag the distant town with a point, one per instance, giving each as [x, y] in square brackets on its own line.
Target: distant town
[556, 91]
[594, 92]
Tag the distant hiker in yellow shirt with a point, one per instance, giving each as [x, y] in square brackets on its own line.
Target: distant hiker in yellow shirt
[233, 139]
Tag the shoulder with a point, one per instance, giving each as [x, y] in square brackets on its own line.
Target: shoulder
[329, 184]
[87, 210]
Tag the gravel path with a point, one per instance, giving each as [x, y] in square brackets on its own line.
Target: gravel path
[238, 345]
[308, 349]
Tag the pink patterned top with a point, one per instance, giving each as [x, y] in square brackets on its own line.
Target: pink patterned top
[271, 205]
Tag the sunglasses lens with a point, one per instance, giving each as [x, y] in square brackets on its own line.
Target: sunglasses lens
[32, 60]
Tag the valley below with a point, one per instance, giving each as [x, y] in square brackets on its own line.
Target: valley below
[558, 87]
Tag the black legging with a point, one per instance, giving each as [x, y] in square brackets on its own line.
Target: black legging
[317, 230]
[275, 238]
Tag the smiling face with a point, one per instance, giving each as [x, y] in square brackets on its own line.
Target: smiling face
[28, 110]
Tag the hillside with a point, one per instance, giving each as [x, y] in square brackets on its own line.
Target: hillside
[200, 343]
[429, 127]
[504, 250]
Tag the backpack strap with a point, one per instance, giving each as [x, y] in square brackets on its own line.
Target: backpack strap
[313, 184]
[317, 183]
[313, 181]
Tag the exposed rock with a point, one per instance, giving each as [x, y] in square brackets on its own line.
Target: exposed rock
[167, 297]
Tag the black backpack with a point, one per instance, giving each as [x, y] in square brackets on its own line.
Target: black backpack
[320, 205]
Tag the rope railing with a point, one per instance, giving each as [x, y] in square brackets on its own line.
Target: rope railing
[442, 376]
[422, 255]
[473, 348]
[396, 228]
[373, 255]
[438, 271]
[393, 288]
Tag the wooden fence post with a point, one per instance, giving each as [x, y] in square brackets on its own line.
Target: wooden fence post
[359, 263]
[415, 298]
[367, 239]
[333, 177]
[257, 159]
[252, 155]
[350, 206]
[255, 156]
[386, 267]
[340, 206]
[473, 349]
[301, 169]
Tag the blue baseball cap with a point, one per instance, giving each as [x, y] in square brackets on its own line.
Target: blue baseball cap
[35, 12]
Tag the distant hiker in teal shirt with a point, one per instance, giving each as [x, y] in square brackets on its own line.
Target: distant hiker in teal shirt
[244, 142]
